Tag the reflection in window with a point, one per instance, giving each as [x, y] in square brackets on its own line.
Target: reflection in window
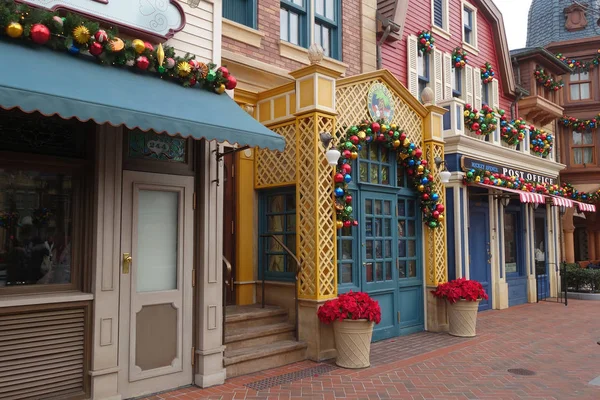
[374, 163]
[35, 227]
[279, 220]
[583, 148]
[510, 242]
[579, 86]
[407, 238]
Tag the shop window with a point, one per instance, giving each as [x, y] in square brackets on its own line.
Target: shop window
[583, 148]
[456, 82]
[277, 218]
[511, 259]
[347, 257]
[240, 11]
[375, 165]
[469, 25]
[423, 70]
[292, 22]
[440, 14]
[408, 234]
[39, 229]
[485, 93]
[326, 26]
[580, 86]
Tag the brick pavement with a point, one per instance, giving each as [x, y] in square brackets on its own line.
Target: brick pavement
[558, 343]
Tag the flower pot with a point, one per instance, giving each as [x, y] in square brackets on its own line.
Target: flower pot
[353, 342]
[462, 318]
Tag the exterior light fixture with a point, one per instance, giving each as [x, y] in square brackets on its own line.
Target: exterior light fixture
[505, 200]
[444, 174]
[332, 154]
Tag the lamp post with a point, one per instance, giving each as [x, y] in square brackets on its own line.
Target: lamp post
[332, 154]
[444, 174]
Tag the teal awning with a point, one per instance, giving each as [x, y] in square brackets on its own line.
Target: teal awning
[50, 82]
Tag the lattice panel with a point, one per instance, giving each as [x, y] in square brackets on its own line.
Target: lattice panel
[351, 103]
[327, 268]
[306, 224]
[274, 168]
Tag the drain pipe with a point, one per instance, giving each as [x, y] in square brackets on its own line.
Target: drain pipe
[380, 42]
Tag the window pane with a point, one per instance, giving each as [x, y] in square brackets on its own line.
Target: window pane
[363, 171]
[291, 223]
[577, 138]
[401, 229]
[401, 208]
[401, 269]
[346, 273]
[588, 155]
[379, 271]
[588, 138]
[585, 91]
[35, 227]
[468, 35]
[157, 232]
[411, 208]
[510, 244]
[362, 152]
[438, 17]
[298, 2]
[385, 157]
[318, 34]
[401, 248]
[275, 223]
[373, 156]
[377, 207]
[290, 242]
[275, 203]
[412, 248]
[320, 7]
[326, 43]
[388, 271]
[276, 263]
[412, 268]
[290, 202]
[283, 24]
[369, 206]
[467, 17]
[374, 174]
[347, 249]
[385, 175]
[294, 26]
[574, 92]
[329, 10]
[274, 245]
[577, 156]
[421, 64]
[411, 228]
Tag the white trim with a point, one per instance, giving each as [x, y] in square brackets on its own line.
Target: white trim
[445, 30]
[45, 298]
[438, 75]
[447, 67]
[469, 46]
[412, 58]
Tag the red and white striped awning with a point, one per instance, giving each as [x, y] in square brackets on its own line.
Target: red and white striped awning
[585, 206]
[525, 197]
[562, 201]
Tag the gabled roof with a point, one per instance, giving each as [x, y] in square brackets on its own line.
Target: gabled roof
[557, 66]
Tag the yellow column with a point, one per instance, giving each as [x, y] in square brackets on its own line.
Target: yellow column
[245, 229]
[315, 220]
[436, 264]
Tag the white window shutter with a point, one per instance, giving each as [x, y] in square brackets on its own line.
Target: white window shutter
[438, 75]
[495, 99]
[468, 85]
[447, 76]
[477, 88]
[413, 73]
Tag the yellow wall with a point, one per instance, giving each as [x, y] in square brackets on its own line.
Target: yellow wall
[245, 232]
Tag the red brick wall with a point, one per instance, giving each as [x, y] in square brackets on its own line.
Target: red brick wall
[419, 17]
[268, 23]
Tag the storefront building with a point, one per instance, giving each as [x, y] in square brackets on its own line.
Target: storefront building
[570, 34]
[458, 50]
[110, 197]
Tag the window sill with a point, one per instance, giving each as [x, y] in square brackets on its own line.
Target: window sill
[441, 32]
[300, 54]
[470, 48]
[45, 298]
[242, 33]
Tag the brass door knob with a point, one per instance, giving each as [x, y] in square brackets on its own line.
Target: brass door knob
[126, 262]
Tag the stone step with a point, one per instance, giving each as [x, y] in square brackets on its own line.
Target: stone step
[253, 315]
[265, 356]
[257, 335]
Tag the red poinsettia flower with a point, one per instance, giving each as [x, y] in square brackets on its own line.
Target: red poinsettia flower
[460, 289]
[352, 305]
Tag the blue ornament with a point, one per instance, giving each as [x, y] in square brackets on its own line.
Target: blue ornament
[549, 137]
[424, 181]
[493, 73]
[73, 49]
[458, 58]
[339, 192]
[412, 146]
[359, 147]
[411, 163]
[435, 197]
[347, 178]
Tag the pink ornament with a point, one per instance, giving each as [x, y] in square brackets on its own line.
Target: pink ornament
[170, 63]
[101, 36]
[347, 224]
[142, 62]
[224, 72]
[58, 20]
[40, 34]
[149, 46]
[375, 126]
[194, 64]
[96, 49]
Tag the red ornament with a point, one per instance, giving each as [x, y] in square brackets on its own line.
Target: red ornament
[354, 139]
[436, 214]
[347, 224]
[348, 199]
[440, 208]
[423, 162]
[375, 126]
[231, 82]
[338, 178]
[475, 126]
[96, 49]
[142, 62]
[355, 223]
[193, 81]
[418, 153]
[402, 136]
[224, 72]
[425, 196]
[346, 168]
[101, 36]
[149, 46]
[347, 154]
[40, 34]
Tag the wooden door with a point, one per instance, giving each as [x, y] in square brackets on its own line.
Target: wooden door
[229, 212]
[155, 331]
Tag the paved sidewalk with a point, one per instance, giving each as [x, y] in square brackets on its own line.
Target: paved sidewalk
[557, 344]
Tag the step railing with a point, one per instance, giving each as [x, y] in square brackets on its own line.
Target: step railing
[227, 271]
[298, 269]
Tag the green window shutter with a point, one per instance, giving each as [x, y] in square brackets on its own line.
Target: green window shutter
[240, 11]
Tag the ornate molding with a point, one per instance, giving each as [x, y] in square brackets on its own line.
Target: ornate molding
[575, 18]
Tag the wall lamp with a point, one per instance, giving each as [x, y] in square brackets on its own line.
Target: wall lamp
[332, 154]
[444, 174]
[505, 200]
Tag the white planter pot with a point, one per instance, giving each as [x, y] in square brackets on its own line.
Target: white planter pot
[462, 318]
[353, 342]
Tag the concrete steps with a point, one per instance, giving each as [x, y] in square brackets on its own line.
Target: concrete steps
[259, 338]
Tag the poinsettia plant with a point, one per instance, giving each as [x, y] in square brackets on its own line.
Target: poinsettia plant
[460, 289]
[351, 305]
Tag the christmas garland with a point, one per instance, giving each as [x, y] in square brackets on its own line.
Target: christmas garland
[512, 132]
[426, 42]
[74, 34]
[481, 122]
[8, 218]
[459, 58]
[580, 66]
[547, 81]
[540, 142]
[41, 216]
[487, 73]
[409, 156]
[579, 124]
[566, 190]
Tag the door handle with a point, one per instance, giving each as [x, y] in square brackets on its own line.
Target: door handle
[126, 262]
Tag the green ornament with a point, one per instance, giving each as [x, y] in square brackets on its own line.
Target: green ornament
[161, 69]
[432, 224]
[369, 131]
[348, 145]
[472, 116]
[501, 112]
[349, 209]
[469, 174]
[396, 135]
[354, 129]
[211, 76]
[483, 127]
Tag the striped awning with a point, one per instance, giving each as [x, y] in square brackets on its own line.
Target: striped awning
[562, 201]
[525, 197]
[585, 206]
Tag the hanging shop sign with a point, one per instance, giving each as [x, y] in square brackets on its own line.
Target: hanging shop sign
[379, 103]
[159, 19]
[468, 163]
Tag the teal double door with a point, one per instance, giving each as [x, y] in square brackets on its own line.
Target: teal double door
[390, 260]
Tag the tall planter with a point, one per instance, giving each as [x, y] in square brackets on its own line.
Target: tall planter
[462, 318]
[353, 342]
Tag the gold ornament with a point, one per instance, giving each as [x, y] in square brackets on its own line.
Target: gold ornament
[202, 70]
[441, 217]
[81, 34]
[160, 55]
[14, 30]
[421, 188]
[220, 89]
[393, 127]
[406, 142]
[362, 135]
[420, 168]
[354, 155]
[339, 224]
[184, 68]
[138, 46]
[117, 45]
[396, 143]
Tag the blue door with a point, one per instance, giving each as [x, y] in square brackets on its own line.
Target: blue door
[514, 257]
[379, 256]
[480, 268]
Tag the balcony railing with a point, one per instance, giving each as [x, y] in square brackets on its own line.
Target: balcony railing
[453, 125]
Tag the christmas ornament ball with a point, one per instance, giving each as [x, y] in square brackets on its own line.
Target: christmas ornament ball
[14, 30]
[231, 82]
[40, 34]
[73, 49]
[220, 89]
[149, 46]
[138, 46]
[101, 36]
[170, 63]
[96, 49]
[224, 71]
[81, 34]
[142, 62]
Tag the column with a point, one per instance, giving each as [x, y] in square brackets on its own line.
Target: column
[315, 223]
[569, 240]
[501, 287]
[436, 270]
[591, 244]
[245, 287]
[106, 263]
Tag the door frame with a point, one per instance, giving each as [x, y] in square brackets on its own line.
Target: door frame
[132, 382]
